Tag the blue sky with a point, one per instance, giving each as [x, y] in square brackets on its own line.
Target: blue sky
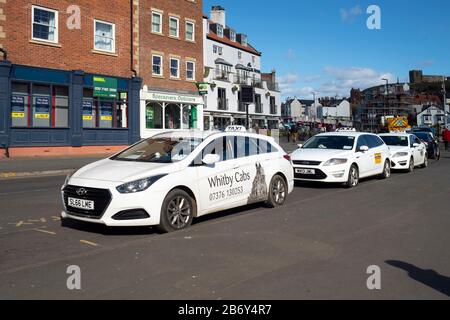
[326, 47]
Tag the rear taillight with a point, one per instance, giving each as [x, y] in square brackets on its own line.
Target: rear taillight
[287, 157]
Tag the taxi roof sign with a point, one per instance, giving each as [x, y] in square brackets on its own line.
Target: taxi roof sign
[236, 129]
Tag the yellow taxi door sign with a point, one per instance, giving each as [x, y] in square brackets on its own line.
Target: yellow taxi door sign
[18, 115]
[378, 158]
[44, 116]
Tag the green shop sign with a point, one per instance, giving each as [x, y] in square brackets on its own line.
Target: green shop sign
[105, 87]
[203, 88]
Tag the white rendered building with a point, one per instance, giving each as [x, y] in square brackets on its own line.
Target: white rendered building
[230, 62]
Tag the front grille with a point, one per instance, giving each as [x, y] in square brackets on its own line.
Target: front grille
[320, 175]
[101, 198]
[306, 163]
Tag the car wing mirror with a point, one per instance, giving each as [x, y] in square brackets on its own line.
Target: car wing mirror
[300, 146]
[211, 159]
[416, 145]
[363, 149]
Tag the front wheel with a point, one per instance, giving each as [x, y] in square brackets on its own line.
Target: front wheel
[177, 211]
[412, 166]
[386, 170]
[353, 177]
[278, 191]
[425, 162]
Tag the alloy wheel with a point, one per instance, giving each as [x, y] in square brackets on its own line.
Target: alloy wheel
[179, 212]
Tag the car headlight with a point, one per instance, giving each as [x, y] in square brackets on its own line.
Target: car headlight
[139, 185]
[335, 162]
[401, 154]
[66, 182]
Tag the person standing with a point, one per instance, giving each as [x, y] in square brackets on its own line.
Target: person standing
[446, 137]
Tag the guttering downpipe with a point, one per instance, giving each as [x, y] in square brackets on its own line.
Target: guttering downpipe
[5, 54]
[132, 39]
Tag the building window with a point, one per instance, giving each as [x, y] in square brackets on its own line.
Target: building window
[156, 22]
[104, 37]
[190, 31]
[45, 24]
[232, 36]
[273, 106]
[104, 113]
[172, 116]
[190, 70]
[154, 116]
[174, 27]
[61, 107]
[220, 30]
[157, 65]
[244, 40]
[240, 55]
[174, 68]
[39, 106]
[218, 50]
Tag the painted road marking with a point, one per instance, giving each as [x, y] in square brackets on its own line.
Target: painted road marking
[45, 231]
[89, 243]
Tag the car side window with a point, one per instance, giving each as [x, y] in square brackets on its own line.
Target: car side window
[376, 142]
[220, 146]
[362, 142]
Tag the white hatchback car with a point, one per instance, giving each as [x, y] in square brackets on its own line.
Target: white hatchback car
[341, 157]
[407, 151]
[170, 179]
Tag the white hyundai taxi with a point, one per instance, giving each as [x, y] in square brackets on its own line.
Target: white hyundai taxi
[172, 178]
[407, 151]
[341, 157]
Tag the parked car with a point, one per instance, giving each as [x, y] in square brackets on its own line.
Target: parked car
[433, 150]
[425, 129]
[172, 178]
[407, 151]
[342, 157]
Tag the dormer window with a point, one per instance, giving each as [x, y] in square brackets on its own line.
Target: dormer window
[244, 40]
[232, 36]
[220, 30]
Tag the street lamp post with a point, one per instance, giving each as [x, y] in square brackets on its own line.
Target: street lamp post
[444, 101]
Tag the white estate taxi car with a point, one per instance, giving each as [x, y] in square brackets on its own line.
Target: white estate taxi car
[341, 157]
[407, 151]
[170, 179]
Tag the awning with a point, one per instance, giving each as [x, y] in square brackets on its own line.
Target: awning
[223, 62]
[242, 67]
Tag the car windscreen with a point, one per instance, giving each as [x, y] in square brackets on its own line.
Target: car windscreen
[160, 150]
[330, 142]
[395, 141]
[424, 136]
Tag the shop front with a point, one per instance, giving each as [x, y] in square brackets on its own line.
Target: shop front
[56, 108]
[166, 111]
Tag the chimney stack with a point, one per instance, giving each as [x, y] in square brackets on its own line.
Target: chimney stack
[218, 15]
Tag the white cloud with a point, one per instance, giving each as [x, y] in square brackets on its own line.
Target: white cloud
[288, 79]
[291, 54]
[426, 63]
[349, 15]
[344, 79]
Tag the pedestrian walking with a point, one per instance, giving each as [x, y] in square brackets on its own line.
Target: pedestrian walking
[446, 138]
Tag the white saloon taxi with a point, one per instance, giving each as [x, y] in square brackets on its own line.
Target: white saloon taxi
[170, 179]
[341, 157]
[407, 151]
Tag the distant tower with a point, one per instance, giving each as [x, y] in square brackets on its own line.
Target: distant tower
[416, 76]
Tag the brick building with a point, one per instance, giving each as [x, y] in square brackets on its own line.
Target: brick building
[67, 79]
[170, 51]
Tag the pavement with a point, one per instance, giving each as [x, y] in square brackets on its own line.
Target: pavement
[318, 246]
[60, 166]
